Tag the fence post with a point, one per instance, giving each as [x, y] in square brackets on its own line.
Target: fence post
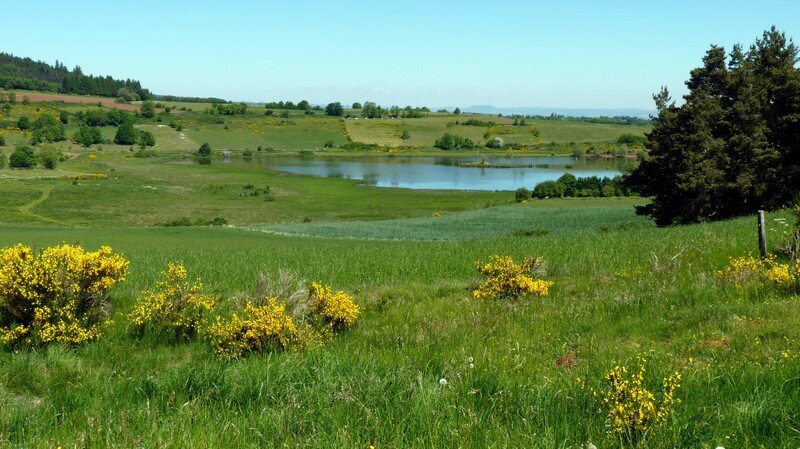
[762, 235]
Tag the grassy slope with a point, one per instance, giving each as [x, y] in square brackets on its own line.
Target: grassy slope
[426, 130]
[379, 383]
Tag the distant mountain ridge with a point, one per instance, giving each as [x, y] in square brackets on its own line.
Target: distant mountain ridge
[571, 112]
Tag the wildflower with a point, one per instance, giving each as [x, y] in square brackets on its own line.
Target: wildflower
[632, 409]
[443, 381]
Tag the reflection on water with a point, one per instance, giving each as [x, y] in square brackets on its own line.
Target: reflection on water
[446, 172]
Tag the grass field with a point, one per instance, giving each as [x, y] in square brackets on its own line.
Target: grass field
[425, 131]
[622, 288]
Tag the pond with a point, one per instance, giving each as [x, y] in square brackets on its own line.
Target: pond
[498, 173]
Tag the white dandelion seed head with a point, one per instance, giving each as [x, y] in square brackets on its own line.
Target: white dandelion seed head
[442, 381]
[472, 365]
[470, 359]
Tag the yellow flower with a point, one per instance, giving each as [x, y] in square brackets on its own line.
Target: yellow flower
[505, 278]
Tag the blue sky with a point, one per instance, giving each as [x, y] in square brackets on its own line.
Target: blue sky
[593, 54]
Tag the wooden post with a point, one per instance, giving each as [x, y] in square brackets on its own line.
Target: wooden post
[762, 235]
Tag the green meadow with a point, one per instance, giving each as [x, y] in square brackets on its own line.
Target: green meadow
[622, 288]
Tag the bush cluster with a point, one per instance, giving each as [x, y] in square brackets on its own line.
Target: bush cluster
[453, 142]
[504, 278]
[569, 186]
[744, 271]
[177, 307]
[59, 295]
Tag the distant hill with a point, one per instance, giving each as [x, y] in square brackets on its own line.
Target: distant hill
[25, 73]
[570, 112]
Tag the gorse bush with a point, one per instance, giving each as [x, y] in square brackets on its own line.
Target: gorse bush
[59, 295]
[504, 278]
[256, 329]
[176, 307]
[631, 408]
[283, 315]
[749, 271]
[337, 310]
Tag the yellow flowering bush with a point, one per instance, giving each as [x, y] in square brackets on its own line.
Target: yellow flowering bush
[336, 309]
[504, 278]
[632, 409]
[742, 271]
[177, 305]
[59, 295]
[259, 328]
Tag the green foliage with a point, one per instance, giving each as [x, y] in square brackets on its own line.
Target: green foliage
[631, 140]
[204, 150]
[49, 157]
[731, 148]
[146, 139]
[570, 186]
[2, 141]
[405, 135]
[3, 160]
[334, 109]
[147, 109]
[356, 105]
[522, 194]
[453, 142]
[126, 134]
[87, 136]
[372, 110]
[24, 123]
[229, 109]
[27, 74]
[477, 122]
[22, 157]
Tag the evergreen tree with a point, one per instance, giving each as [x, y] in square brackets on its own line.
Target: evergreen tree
[733, 146]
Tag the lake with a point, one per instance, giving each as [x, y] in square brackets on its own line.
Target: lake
[446, 172]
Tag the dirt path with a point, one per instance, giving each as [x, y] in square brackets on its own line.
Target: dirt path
[25, 209]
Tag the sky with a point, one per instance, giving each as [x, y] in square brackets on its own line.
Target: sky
[566, 54]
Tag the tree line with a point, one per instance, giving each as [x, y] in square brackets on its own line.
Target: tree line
[25, 73]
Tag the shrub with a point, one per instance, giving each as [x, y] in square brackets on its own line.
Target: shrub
[329, 144]
[504, 278]
[204, 150]
[631, 408]
[87, 136]
[497, 142]
[59, 295]
[49, 157]
[260, 328]
[22, 157]
[744, 271]
[146, 139]
[126, 134]
[522, 194]
[452, 142]
[24, 123]
[2, 141]
[176, 307]
[336, 310]
[405, 135]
